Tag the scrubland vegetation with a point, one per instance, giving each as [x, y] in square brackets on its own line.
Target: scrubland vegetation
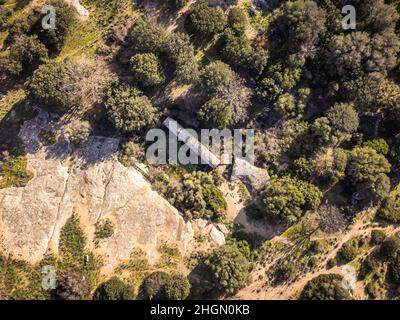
[325, 104]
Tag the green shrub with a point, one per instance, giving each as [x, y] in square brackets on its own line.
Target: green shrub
[153, 286]
[215, 114]
[216, 74]
[72, 243]
[206, 20]
[147, 70]
[349, 250]
[129, 109]
[284, 272]
[390, 248]
[147, 36]
[47, 138]
[114, 289]
[130, 153]
[377, 237]
[368, 266]
[242, 245]
[236, 50]
[78, 131]
[331, 263]
[303, 168]
[286, 106]
[54, 39]
[177, 288]
[229, 268]
[390, 210]
[366, 164]
[4, 15]
[379, 145]
[198, 196]
[238, 20]
[181, 51]
[104, 229]
[286, 199]
[13, 172]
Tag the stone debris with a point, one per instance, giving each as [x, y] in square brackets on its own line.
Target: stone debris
[214, 232]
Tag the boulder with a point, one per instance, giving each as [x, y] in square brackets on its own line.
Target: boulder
[254, 177]
[217, 236]
[221, 227]
[82, 11]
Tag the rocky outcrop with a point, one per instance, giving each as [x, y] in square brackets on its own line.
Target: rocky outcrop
[82, 11]
[254, 177]
[215, 233]
[91, 183]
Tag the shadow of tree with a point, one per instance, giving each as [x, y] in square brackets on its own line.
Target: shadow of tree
[10, 125]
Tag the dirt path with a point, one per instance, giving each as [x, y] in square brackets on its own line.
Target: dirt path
[236, 213]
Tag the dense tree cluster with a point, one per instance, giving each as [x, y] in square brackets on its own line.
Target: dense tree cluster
[286, 199]
[198, 196]
[30, 44]
[114, 289]
[325, 103]
[326, 287]
[54, 39]
[229, 268]
[206, 20]
[25, 54]
[162, 286]
[147, 37]
[146, 70]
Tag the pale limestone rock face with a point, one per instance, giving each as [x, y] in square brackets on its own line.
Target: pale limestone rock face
[93, 185]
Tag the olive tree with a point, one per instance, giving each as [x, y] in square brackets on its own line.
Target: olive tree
[114, 289]
[216, 74]
[207, 20]
[128, 109]
[215, 114]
